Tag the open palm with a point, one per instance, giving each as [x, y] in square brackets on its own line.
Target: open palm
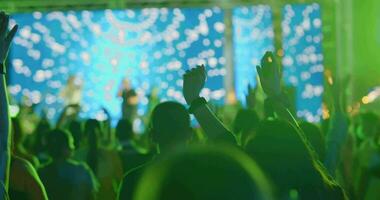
[193, 82]
[270, 75]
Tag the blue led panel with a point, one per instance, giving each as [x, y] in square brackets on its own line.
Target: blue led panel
[152, 47]
[252, 37]
[303, 58]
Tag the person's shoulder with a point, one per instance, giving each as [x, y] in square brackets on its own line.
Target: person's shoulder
[24, 170]
[44, 167]
[226, 137]
[130, 180]
[136, 172]
[22, 165]
[84, 173]
[82, 166]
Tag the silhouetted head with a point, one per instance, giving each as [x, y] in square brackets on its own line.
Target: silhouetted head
[170, 124]
[124, 130]
[92, 128]
[60, 144]
[204, 173]
[281, 153]
[126, 83]
[315, 137]
[245, 124]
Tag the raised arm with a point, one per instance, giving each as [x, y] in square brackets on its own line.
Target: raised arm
[69, 112]
[193, 82]
[270, 80]
[277, 101]
[5, 41]
[338, 129]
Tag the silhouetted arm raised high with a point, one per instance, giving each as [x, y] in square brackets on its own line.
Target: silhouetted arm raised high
[338, 131]
[5, 41]
[193, 82]
[270, 79]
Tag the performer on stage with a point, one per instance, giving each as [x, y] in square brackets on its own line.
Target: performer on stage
[72, 93]
[130, 100]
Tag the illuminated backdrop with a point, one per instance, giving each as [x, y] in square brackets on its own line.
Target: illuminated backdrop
[252, 37]
[303, 58]
[152, 47]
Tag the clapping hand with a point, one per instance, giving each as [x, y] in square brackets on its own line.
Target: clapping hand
[5, 38]
[193, 82]
[270, 75]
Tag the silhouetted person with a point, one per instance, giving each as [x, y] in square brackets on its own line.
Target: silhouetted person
[24, 182]
[281, 153]
[39, 140]
[170, 129]
[368, 156]
[18, 148]
[130, 153]
[245, 125]
[5, 129]
[130, 100]
[72, 92]
[64, 178]
[105, 162]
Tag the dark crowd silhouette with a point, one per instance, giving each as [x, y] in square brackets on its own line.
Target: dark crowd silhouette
[269, 154]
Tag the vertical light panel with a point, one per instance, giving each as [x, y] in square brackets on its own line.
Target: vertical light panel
[252, 37]
[303, 58]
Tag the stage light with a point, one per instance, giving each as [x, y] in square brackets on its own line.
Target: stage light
[365, 100]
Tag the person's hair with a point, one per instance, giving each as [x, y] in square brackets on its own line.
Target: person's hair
[60, 144]
[170, 124]
[245, 123]
[315, 137]
[92, 131]
[204, 173]
[124, 130]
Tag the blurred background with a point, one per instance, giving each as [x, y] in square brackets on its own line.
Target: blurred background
[96, 43]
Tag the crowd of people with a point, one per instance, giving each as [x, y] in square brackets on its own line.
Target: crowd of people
[269, 154]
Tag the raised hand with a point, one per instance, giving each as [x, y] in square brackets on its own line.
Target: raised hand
[5, 38]
[193, 82]
[270, 75]
[336, 92]
[250, 98]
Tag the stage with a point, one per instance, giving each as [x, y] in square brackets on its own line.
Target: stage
[152, 47]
